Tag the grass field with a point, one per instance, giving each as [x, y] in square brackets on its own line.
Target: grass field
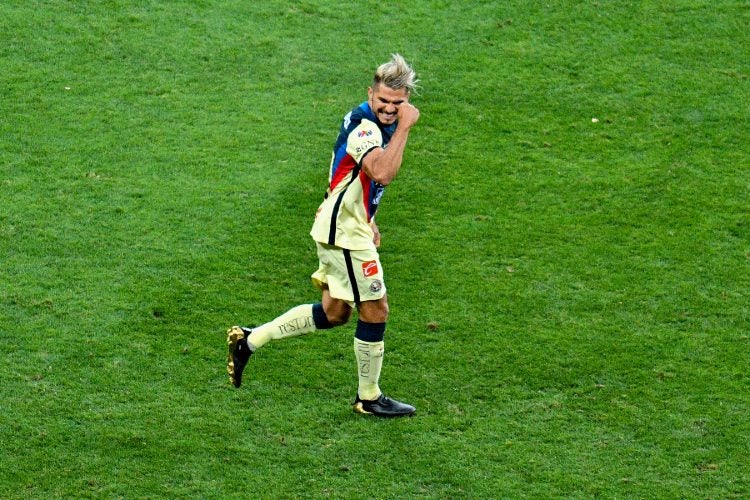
[567, 249]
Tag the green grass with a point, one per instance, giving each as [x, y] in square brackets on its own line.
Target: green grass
[569, 297]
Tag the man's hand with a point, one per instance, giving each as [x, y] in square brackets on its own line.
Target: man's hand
[408, 115]
[376, 234]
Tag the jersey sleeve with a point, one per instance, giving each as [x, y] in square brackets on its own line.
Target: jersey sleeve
[362, 139]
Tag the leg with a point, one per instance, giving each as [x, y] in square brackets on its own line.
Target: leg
[365, 275]
[337, 311]
[330, 312]
[369, 348]
[243, 342]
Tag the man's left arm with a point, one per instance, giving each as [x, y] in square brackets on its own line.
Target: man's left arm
[375, 233]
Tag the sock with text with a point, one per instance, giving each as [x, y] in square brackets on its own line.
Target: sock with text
[299, 320]
[368, 349]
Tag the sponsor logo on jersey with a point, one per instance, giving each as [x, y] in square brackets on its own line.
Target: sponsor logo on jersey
[366, 145]
[370, 268]
[364, 133]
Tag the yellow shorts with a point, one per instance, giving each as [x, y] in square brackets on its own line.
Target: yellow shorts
[351, 275]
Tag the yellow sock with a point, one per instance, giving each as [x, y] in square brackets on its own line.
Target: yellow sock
[296, 321]
[369, 363]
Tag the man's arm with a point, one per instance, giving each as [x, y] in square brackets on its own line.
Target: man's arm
[382, 165]
[375, 233]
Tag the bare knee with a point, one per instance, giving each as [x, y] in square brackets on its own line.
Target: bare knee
[338, 312]
[338, 316]
[374, 311]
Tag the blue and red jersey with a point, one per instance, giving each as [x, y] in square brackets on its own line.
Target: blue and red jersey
[352, 198]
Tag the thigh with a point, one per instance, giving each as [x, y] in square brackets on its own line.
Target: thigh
[337, 311]
[354, 276]
[366, 274]
[332, 276]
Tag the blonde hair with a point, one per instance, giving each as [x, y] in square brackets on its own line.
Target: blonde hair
[396, 74]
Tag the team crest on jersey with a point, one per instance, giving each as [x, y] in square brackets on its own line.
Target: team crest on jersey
[364, 133]
[370, 268]
[376, 286]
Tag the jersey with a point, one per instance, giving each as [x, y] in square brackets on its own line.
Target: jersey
[352, 198]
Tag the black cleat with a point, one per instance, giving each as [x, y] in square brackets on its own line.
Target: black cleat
[383, 407]
[238, 353]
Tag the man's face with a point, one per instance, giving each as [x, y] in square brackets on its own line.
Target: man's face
[385, 102]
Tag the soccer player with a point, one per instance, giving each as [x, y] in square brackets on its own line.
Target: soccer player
[367, 156]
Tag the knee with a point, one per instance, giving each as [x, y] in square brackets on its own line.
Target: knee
[338, 318]
[338, 314]
[382, 312]
[375, 311]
